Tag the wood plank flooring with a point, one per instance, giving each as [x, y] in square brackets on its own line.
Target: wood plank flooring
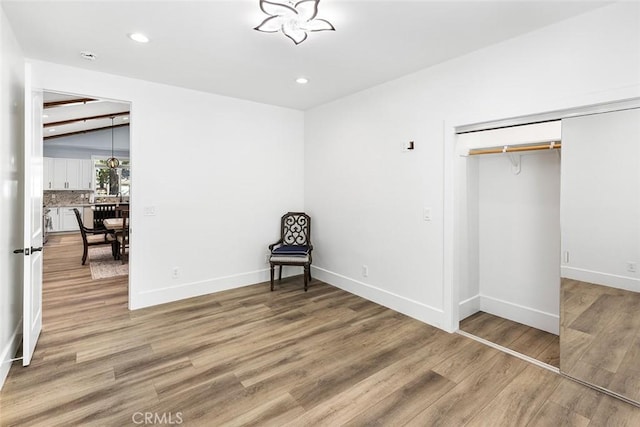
[285, 358]
[524, 339]
[600, 334]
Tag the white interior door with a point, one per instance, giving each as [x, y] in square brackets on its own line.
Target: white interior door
[33, 226]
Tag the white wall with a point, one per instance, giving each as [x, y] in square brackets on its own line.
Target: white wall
[519, 238]
[601, 198]
[367, 196]
[218, 171]
[11, 202]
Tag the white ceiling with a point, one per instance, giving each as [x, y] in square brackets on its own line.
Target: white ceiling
[211, 45]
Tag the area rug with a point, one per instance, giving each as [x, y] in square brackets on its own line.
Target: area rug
[104, 266]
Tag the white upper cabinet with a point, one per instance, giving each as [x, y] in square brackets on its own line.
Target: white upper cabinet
[67, 174]
[48, 173]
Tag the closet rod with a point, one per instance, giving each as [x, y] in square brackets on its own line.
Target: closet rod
[514, 149]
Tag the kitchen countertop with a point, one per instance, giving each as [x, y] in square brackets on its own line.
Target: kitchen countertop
[68, 205]
[83, 205]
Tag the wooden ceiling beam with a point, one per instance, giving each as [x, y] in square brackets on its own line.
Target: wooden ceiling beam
[84, 119]
[53, 104]
[82, 131]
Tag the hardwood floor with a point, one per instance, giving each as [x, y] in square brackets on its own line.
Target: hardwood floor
[601, 336]
[284, 358]
[532, 342]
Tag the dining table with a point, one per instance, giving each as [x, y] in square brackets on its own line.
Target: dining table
[114, 224]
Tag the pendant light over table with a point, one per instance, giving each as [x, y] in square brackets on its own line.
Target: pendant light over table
[112, 162]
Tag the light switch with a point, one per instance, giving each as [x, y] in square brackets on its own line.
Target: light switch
[426, 214]
[149, 211]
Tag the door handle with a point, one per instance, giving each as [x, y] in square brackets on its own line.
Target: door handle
[27, 251]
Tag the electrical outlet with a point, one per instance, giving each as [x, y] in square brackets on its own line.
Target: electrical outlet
[632, 267]
[175, 272]
[365, 271]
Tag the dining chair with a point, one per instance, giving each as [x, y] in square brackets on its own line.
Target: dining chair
[95, 237]
[122, 237]
[294, 247]
[101, 212]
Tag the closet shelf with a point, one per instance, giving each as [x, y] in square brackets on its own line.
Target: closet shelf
[555, 145]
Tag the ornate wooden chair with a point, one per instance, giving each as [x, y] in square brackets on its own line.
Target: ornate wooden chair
[95, 237]
[294, 246]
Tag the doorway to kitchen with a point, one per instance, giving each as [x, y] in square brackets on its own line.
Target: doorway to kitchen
[87, 187]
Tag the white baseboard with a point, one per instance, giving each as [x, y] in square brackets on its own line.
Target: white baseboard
[604, 279]
[148, 298]
[468, 307]
[9, 352]
[411, 308]
[526, 315]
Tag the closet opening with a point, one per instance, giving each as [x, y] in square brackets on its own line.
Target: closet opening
[511, 293]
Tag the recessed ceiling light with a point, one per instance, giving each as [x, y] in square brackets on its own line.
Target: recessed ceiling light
[302, 80]
[52, 130]
[125, 118]
[44, 116]
[139, 37]
[89, 56]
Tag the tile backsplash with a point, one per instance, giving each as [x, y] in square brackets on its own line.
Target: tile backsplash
[66, 198]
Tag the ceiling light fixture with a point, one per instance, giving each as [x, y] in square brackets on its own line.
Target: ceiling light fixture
[112, 162]
[294, 19]
[302, 80]
[139, 37]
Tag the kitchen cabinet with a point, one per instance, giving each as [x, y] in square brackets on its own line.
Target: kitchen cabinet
[67, 174]
[54, 224]
[48, 173]
[63, 218]
[86, 176]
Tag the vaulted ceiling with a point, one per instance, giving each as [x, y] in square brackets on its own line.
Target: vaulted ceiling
[211, 45]
[65, 115]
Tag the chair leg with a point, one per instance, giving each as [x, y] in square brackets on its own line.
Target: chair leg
[272, 277]
[309, 272]
[306, 276]
[85, 253]
[280, 273]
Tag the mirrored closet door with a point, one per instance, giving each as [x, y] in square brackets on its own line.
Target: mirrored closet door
[600, 229]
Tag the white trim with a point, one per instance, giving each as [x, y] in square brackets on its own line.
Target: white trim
[510, 352]
[8, 352]
[518, 313]
[422, 312]
[599, 278]
[450, 226]
[584, 110]
[469, 306]
[148, 298]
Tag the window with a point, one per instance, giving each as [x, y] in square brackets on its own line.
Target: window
[112, 182]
